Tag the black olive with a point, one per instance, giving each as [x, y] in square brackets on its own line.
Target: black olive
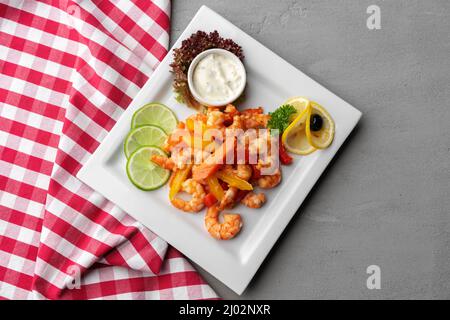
[316, 122]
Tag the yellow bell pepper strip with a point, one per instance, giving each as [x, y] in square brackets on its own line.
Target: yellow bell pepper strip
[234, 181]
[195, 124]
[195, 139]
[178, 179]
[190, 124]
[214, 187]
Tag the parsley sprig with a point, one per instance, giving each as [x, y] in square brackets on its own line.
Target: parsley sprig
[280, 118]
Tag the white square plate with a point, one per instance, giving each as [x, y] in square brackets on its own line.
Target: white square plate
[270, 81]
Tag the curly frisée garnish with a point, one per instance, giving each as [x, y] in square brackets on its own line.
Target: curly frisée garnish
[190, 48]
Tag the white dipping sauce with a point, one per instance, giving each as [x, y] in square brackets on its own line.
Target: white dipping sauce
[217, 77]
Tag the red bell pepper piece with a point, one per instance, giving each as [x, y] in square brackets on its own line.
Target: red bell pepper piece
[240, 195]
[256, 173]
[210, 200]
[223, 184]
[285, 158]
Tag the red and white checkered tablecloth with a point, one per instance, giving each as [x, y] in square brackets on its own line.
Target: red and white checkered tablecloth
[68, 69]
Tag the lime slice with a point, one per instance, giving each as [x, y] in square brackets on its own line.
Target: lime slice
[143, 136]
[155, 114]
[143, 173]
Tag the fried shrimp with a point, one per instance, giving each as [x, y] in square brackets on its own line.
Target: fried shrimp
[226, 230]
[242, 171]
[237, 123]
[164, 162]
[270, 181]
[254, 200]
[228, 198]
[217, 157]
[198, 195]
[255, 121]
[215, 119]
[231, 109]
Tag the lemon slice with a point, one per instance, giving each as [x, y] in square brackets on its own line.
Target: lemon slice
[322, 138]
[299, 103]
[294, 137]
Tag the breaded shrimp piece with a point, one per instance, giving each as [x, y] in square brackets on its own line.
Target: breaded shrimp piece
[198, 195]
[254, 200]
[222, 231]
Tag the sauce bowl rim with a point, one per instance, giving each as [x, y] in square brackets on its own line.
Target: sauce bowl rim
[215, 103]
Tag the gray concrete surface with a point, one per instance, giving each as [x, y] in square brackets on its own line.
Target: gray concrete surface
[385, 198]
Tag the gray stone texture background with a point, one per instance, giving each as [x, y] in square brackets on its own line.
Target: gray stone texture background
[385, 198]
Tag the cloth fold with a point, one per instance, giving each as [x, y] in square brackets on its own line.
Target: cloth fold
[68, 70]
